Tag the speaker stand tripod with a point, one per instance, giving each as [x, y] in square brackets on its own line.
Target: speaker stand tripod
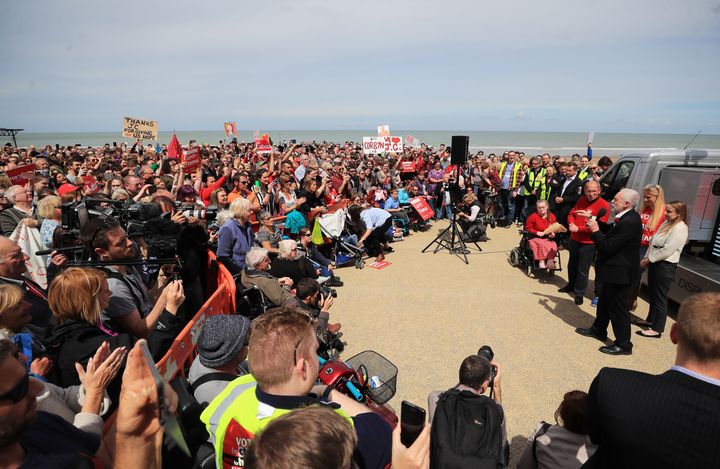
[451, 239]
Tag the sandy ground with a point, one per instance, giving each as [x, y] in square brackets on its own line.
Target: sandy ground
[427, 312]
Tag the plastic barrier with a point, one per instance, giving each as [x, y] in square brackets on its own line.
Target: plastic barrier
[183, 349]
[224, 277]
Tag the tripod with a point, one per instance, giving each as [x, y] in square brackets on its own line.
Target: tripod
[451, 239]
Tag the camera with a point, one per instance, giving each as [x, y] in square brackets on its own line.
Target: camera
[487, 352]
[328, 292]
[189, 210]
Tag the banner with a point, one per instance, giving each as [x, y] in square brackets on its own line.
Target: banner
[383, 130]
[263, 145]
[412, 141]
[140, 128]
[379, 145]
[21, 175]
[29, 241]
[422, 207]
[191, 158]
[231, 129]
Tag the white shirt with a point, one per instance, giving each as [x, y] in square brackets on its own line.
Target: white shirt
[567, 183]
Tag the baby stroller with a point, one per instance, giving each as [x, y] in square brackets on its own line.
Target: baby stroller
[344, 252]
[522, 256]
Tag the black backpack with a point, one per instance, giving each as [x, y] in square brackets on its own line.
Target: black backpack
[466, 432]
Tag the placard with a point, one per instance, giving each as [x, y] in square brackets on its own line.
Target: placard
[140, 128]
[191, 158]
[379, 265]
[407, 167]
[263, 145]
[412, 141]
[379, 145]
[21, 175]
[422, 208]
[383, 130]
[230, 129]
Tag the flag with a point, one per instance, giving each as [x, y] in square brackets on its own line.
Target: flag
[174, 149]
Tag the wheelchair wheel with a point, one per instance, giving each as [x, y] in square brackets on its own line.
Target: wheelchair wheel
[360, 263]
[514, 257]
[529, 269]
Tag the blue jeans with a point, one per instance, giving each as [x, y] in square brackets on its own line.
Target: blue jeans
[506, 204]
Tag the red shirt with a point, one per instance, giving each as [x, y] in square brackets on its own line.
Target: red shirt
[647, 230]
[583, 234]
[535, 223]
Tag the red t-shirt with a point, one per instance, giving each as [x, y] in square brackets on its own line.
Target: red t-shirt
[583, 234]
[647, 230]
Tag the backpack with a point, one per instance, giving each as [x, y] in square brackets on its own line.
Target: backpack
[466, 432]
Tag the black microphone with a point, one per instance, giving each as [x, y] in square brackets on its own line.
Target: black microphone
[601, 213]
[45, 252]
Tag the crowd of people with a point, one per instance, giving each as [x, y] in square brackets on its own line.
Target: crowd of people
[76, 331]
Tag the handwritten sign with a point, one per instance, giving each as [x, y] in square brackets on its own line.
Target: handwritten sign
[191, 158]
[383, 130]
[379, 145]
[230, 129]
[412, 141]
[140, 128]
[21, 175]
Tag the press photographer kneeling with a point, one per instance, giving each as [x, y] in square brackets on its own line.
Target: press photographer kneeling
[470, 218]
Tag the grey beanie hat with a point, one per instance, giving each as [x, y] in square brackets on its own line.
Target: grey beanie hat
[221, 338]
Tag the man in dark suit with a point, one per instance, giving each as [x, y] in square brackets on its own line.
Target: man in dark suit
[617, 268]
[669, 420]
[568, 194]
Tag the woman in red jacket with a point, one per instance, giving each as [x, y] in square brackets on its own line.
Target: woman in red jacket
[543, 247]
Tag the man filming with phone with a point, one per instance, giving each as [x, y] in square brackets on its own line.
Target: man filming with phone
[468, 428]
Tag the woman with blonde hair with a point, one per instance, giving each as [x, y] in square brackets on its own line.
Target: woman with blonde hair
[49, 209]
[236, 237]
[661, 260]
[77, 297]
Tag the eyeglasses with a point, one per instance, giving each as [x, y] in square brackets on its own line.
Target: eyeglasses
[20, 390]
[243, 182]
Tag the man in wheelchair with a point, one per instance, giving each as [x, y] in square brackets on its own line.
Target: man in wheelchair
[539, 240]
[472, 218]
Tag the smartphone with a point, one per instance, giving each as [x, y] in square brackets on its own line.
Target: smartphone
[293, 141]
[114, 144]
[412, 422]
[167, 420]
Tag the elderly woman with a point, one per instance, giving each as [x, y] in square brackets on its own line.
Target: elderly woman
[256, 274]
[540, 239]
[236, 237]
[268, 235]
[290, 264]
[77, 297]
[49, 209]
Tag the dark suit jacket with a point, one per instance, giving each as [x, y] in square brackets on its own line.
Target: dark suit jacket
[639, 420]
[570, 196]
[617, 258]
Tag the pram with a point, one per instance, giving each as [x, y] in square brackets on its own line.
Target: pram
[344, 252]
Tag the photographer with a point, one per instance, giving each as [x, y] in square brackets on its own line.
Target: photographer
[468, 427]
[471, 225]
[316, 303]
[130, 308]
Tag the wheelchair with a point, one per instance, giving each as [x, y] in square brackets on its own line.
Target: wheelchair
[522, 256]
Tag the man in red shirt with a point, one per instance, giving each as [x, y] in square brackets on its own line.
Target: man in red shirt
[582, 248]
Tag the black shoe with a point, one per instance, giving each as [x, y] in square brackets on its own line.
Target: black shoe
[566, 289]
[649, 336]
[590, 332]
[578, 300]
[615, 350]
[334, 282]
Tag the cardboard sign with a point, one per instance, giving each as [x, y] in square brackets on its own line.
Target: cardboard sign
[21, 175]
[412, 141]
[383, 130]
[379, 265]
[230, 129]
[140, 128]
[422, 208]
[262, 144]
[191, 158]
[379, 145]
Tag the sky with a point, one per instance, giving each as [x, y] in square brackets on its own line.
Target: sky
[518, 65]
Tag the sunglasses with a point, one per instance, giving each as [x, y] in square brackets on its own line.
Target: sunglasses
[20, 390]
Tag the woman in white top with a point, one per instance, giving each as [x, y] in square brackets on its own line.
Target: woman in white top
[661, 260]
[562, 446]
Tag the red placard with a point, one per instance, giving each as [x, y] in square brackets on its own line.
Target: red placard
[21, 175]
[422, 207]
[379, 265]
[191, 158]
[407, 167]
[263, 145]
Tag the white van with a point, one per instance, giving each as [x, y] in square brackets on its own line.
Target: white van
[692, 176]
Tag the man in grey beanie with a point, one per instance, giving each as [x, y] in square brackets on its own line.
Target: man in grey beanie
[222, 355]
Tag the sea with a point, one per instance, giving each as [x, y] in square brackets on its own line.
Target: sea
[531, 143]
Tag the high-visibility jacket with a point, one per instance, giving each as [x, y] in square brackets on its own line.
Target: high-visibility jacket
[233, 419]
[515, 170]
[583, 173]
[539, 185]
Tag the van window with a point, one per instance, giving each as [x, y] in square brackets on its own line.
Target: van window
[615, 179]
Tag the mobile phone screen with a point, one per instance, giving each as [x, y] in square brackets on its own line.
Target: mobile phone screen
[412, 422]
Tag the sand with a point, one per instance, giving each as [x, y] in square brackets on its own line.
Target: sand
[427, 312]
